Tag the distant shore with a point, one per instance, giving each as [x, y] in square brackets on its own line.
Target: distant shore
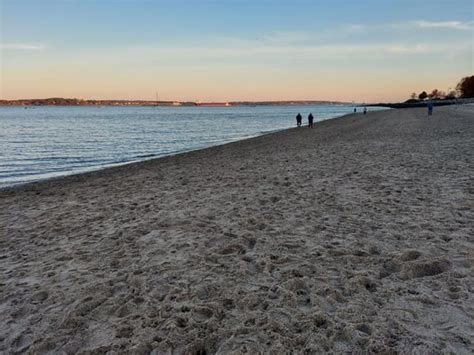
[80, 102]
[151, 103]
[352, 237]
[423, 103]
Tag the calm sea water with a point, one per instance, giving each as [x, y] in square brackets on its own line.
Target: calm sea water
[44, 142]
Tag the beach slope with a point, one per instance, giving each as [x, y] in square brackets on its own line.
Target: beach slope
[356, 235]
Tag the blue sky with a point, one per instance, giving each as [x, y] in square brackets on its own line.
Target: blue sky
[231, 50]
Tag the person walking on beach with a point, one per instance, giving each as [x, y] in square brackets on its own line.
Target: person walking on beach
[365, 110]
[298, 119]
[430, 108]
[310, 120]
[355, 109]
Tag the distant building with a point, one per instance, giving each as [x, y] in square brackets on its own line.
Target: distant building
[213, 104]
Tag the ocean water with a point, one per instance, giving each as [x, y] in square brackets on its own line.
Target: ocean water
[43, 142]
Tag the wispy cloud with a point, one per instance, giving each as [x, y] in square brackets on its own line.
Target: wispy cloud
[343, 33]
[258, 53]
[288, 37]
[354, 28]
[21, 46]
[325, 34]
[450, 25]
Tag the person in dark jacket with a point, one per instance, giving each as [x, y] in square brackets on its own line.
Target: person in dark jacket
[430, 108]
[298, 119]
[310, 120]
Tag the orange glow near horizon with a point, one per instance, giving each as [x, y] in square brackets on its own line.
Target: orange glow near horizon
[220, 86]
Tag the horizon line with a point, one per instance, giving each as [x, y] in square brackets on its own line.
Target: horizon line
[184, 101]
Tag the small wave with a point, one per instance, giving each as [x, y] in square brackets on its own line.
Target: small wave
[147, 156]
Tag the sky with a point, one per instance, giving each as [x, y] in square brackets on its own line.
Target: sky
[233, 50]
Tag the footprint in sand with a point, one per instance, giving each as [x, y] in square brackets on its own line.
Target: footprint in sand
[425, 268]
[202, 314]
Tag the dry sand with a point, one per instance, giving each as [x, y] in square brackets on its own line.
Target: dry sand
[354, 236]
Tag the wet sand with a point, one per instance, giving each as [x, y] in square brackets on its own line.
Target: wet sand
[354, 236]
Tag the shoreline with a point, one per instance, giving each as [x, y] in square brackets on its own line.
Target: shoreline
[97, 169]
[353, 236]
[105, 169]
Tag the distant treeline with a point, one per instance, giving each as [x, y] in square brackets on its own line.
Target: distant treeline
[59, 101]
[422, 103]
[464, 93]
[287, 103]
[464, 90]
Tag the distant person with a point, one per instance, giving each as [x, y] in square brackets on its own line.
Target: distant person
[365, 110]
[298, 119]
[355, 109]
[430, 108]
[310, 120]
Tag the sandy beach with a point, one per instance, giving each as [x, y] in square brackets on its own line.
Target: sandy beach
[354, 236]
